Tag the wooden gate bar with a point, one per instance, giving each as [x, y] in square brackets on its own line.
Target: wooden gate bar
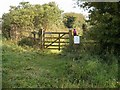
[55, 45]
[55, 41]
[56, 37]
[56, 32]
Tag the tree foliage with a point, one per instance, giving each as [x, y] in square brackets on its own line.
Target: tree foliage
[69, 21]
[32, 17]
[105, 21]
[74, 20]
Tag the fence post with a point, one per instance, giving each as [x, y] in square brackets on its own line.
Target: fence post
[43, 39]
[59, 41]
[70, 38]
[40, 38]
[34, 36]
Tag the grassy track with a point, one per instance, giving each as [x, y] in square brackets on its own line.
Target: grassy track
[25, 67]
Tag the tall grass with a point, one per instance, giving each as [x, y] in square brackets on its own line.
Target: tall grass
[25, 67]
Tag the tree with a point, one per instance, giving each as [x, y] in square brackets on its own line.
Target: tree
[104, 19]
[52, 15]
[28, 17]
[74, 20]
[69, 21]
[7, 19]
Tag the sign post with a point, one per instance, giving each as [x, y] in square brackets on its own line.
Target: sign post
[76, 40]
[76, 43]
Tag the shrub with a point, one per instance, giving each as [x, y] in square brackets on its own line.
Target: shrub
[90, 72]
[27, 41]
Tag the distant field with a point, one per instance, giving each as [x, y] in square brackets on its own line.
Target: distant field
[25, 67]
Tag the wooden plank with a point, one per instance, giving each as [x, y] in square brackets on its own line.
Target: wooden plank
[56, 32]
[56, 42]
[56, 45]
[56, 38]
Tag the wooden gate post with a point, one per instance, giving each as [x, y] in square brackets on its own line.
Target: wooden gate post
[70, 38]
[40, 38]
[59, 41]
[34, 36]
[43, 39]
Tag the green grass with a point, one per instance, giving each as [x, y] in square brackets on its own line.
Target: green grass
[25, 67]
[0, 61]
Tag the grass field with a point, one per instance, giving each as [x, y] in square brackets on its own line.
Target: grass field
[24, 67]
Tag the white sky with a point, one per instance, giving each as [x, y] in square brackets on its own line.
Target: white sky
[66, 5]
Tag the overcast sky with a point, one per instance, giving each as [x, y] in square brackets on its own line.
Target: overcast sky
[65, 5]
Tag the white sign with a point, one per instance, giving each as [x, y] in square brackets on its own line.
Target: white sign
[76, 40]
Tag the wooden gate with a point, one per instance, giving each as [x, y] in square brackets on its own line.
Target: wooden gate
[54, 40]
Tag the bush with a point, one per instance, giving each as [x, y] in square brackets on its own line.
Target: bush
[91, 72]
[27, 41]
